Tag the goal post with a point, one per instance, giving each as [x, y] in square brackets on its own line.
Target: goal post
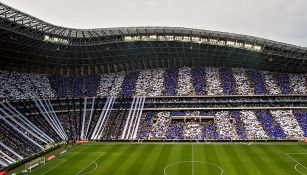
[35, 163]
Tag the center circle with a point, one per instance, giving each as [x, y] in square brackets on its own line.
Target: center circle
[217, 168]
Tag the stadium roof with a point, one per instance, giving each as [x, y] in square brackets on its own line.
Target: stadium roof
[31, 45]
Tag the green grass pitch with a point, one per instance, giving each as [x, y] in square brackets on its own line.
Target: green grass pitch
[180, 159]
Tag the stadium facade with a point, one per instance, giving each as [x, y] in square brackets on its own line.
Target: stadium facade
[143, 83]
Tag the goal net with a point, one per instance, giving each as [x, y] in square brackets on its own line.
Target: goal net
[35, 163]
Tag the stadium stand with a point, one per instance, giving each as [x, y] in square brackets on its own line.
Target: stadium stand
[235, 103]
[171, 95]
[144, 84]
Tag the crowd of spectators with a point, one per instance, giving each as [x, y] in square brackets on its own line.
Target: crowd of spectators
[257, 82]
[150, 83]
[301, 116]
[184, 81]
[170, 82]
[253, 127]
[185, 84]
[16, 142]
[161, 126]
[228, 81]
[226, 125]
[298, 84]
[110, 84]
[243, 85]
[283, 81]
[289, 123]
[15, 85]
[75, 85]
[271, 127]
[226, 128]
[213, 81]
[129, 83]
[176, 130]
[238, 124]
[199, 81]
[209, 130]
[146, 125]
[38, 119]
[193, 130]
[270, 83]
[67, 123]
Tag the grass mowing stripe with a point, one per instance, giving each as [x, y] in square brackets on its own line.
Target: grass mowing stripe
[159, 160]
[286, 164]
[107, 157]
[275, 157]
[202, 156]
[249, 162]
[236, 160]
[151, 159]
[175, 157]
[259, 160]
[84, 156]
[212, 157]
[148, 161]
[139, 162]
[88, 166]
[163, 156]
[227, 159]
[116, 158]
[127, 164]
[269, 156]
[66, 167]
[303, 146]
[46, 172]
[181, 156]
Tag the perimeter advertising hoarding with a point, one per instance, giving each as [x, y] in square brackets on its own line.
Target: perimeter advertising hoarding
[3, 172]
[82, 141]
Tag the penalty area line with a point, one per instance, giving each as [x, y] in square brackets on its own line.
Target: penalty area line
[63, 160]
[94, 161]
[297, 162]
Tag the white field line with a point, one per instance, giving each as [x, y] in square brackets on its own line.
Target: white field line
[192, 159]
[297, 162]
[57, 158]
[298, 170]
[176, 163]
[94, 161]
[63, 160]
[96, 166]
[35, 169]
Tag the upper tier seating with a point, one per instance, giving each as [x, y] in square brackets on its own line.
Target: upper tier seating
[184, 81]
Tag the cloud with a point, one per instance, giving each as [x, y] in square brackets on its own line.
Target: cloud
[281, 20]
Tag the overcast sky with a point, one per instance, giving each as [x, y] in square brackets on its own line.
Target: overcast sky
[280, 20]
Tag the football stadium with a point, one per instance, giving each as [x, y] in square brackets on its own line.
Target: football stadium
[148, 101]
